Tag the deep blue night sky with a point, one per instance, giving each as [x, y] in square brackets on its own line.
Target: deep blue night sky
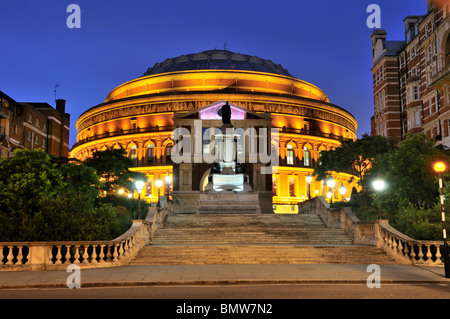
[326, 43]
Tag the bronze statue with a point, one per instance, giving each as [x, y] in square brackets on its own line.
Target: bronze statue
[225, 113]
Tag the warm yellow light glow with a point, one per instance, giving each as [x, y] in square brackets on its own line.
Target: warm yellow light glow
[439, 167]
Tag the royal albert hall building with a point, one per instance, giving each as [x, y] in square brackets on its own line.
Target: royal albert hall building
[138, 116]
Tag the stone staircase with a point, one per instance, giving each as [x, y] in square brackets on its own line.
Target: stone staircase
[253, 239]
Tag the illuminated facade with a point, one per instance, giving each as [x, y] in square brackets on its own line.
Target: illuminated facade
[139, 116]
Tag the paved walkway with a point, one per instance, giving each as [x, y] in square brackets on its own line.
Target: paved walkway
[222, 274]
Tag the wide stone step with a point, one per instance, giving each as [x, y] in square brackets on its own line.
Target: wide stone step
[253, 239]
[260, 254]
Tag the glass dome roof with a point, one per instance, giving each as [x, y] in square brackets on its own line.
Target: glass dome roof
[217, 60]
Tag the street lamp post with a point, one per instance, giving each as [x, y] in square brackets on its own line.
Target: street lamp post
[440, 167]
[139, 187]
[379, 186]
[331, 183]
[342, 191]
[168, 180]
[158, 184]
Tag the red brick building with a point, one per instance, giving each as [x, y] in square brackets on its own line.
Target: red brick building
[33, 126]
[411, 78]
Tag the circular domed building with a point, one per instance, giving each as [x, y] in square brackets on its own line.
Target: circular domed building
[141, 115]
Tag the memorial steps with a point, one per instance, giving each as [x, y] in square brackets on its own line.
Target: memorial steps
[253, 239]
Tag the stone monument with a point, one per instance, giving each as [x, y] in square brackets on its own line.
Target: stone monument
[228, 189]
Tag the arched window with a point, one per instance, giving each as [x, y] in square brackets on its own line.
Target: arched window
[150, 154]
[168, 153]
[306, 157]
[290, 155]
[133, 156]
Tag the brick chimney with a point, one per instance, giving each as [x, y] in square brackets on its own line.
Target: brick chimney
[61, 106]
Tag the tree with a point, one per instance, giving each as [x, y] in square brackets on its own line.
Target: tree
[113, 167]
[26, 180]
[408, 172]
[353, 157]
[45, 199]
[418, 221]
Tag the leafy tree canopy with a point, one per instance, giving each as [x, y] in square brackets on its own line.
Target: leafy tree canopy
[44, 198]
[408, 172]
[113, 167]
[353, 157]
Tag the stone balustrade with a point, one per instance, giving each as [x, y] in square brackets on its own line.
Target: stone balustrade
[58, 255]
[402, 248]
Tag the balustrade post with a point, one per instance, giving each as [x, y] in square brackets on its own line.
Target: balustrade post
[20, 255]
[94, 254]
[67, 255]
[85, 254]
[438, 256]
[77, 254]
[102, 254]
[420, 254]
[413, 254]
[429, 255]
[58, 255]
[9, 257]
[115, 252]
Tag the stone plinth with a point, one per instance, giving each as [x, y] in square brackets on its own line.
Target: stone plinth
[228, 203]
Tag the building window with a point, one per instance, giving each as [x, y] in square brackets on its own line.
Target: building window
[168, 153]
[36, 139]
[416, 93]
[306, 157]
[274, 186]
[37, 123]
[43, 144]
[290, 155]
[433, 108]
[292, 186]
[150, 153]
[149, 187]
[29, 135]
[133, 155]
[417, 118]
[29, 118]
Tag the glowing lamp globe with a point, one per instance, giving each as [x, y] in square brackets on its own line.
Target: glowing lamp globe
[378, 185]
[439, 167]
[158, 183]
[139, 186]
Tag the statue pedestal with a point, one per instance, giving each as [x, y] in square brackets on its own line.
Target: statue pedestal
[228, 203]
[228, 190]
